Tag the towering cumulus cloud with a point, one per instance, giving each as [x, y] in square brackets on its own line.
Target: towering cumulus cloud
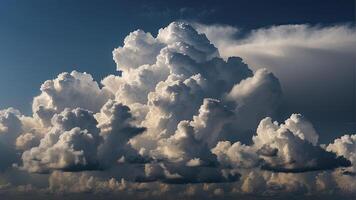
[178, 114]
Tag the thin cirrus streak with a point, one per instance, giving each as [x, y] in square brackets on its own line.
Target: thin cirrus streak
[179, 120]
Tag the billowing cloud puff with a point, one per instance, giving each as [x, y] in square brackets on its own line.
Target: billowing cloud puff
[295, 149]
[186, 152]
[10, 124]
[10, 128]
[235, 155]
[70, 144]
[289, 147]
[16, 132]
[146, 60]
[260, 92]
[254, 98]
[117, 127]
[76, 141]
[139, 48]
[345, 146]
[343, 179]
[193, 139]
[68, 90]
[27, 141]
[183, 53]
[187, 41]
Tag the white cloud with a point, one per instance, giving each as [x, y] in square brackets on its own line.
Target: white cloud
[68, 90]
[16, 132]
[289, 147]
[345, 146]
[177, 114]
[70, 144]
[117, 127]
[310, 61]
[139, 48]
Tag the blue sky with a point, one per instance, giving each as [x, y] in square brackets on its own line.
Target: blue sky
[41, 38]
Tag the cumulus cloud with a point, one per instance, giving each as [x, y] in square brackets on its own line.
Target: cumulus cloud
[180, 112]
[10, 128]
[289, 147]
[117, 127]
[305, 58]
[345, 146]
[70, 144]
[343, 179]
[254, 98]
[16, 132]
[193, 139]
[68, 90]
[139, 48]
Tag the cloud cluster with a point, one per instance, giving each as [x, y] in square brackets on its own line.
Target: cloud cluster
[345, 146]
[177, 114]
[289, 147]
[306, 59]
[70, 143]
[68, 90]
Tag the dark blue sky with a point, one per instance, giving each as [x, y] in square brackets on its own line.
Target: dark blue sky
[41, 38]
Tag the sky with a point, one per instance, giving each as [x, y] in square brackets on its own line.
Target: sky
[40, 39]
[196, 99]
